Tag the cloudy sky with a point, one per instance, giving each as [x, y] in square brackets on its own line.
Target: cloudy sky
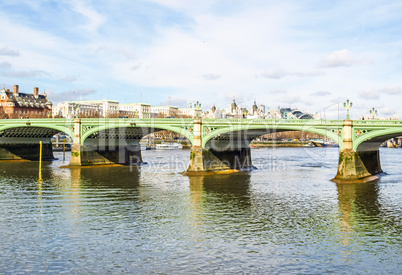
[311, 55]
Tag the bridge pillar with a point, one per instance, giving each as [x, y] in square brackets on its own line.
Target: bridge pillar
[103, 151]
[197, 140]
[223, 157]
[351, 167]
[76, 148]
[105, 155]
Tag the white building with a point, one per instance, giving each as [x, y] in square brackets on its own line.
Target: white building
[256, 112]
[142, 110]
[233, 111]
[164, 111]
[188, 112]
[215, 113]
[376, 117]
[101, 108]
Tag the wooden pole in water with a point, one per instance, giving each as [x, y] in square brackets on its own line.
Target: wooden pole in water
[40, 161]
[64, 149]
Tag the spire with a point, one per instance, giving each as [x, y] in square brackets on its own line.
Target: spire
[213, 108]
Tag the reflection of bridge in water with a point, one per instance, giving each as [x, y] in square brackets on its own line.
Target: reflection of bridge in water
[218, 145]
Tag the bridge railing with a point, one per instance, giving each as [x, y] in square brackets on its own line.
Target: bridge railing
[396, 123]
[37, 120]
[145, 120]
[275, 121]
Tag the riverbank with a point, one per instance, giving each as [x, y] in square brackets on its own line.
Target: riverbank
[277, 143]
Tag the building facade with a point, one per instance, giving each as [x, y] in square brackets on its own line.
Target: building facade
[234, 111]
[256, 112]
[18, 105]
[164, 111]
[92, 108]
[140, 110]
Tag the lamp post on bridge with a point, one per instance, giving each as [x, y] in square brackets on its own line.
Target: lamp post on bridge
[197, 107]
[77, 111]
[373, 112]
[348, 104]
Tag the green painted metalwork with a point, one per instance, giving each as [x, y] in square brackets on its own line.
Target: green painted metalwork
[212, 128]
[362, 130]
[180, 126]
[58, 124]
[367, 130]
[93, 125]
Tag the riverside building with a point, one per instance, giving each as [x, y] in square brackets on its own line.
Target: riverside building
[17, 105]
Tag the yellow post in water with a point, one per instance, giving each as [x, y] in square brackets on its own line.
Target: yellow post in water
[64, 149]
[40, 161]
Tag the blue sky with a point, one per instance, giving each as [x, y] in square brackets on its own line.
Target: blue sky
[312, 55]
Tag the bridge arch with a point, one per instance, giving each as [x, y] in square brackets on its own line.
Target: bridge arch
[20, 139]
[30, 129]
[139, 130]
[333, 134]
[373, 139]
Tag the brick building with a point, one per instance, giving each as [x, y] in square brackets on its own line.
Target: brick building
[16, 105]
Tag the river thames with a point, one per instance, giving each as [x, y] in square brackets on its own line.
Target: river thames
[286, 217]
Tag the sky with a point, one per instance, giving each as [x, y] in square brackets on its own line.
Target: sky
[309, 55]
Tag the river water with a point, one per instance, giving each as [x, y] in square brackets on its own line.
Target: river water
[287, 217]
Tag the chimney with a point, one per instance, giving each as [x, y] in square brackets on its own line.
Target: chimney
[36, 91]
[15, 90]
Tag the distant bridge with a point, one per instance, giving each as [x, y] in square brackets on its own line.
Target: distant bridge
[218, 144]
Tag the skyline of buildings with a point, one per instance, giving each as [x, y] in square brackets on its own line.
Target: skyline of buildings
[17, 105]
[112, 108]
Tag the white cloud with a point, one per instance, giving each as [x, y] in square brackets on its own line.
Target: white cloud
[5, 65]
[68, 78]
[175, 101]
[278, 91]
[396, 90]
[211, 76]
[320, 93]
[136, 67]
[93, 19]
[71, 95]
[278, 74]
[8, 52]
[387, 112]
[274, 74]
[341, 58]
[295, 100]
[369, 94]
[26, 74]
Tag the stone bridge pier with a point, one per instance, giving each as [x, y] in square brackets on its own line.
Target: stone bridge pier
[220, 155]
[108, 147]
[357, 165]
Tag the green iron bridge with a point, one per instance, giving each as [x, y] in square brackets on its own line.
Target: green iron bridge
[218, 145]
